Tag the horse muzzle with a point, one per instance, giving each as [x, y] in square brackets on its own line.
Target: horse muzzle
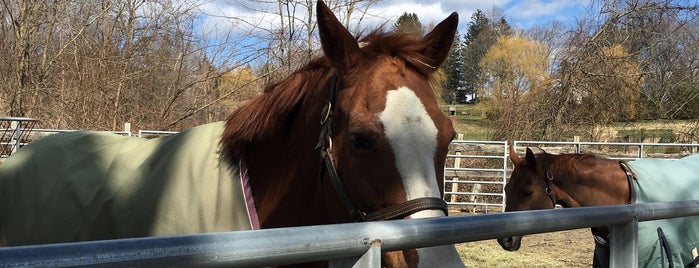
[511, 243]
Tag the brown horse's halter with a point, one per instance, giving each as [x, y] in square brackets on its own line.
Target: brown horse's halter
[549, 187]
[327, 163]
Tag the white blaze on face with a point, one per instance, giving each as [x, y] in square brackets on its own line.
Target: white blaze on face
[413, 137]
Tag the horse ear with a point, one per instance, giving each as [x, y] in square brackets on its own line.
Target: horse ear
[531, 159]
[513, 156]
[437, 43]
[337, 42]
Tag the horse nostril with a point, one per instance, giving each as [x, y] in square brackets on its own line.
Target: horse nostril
[510, 243]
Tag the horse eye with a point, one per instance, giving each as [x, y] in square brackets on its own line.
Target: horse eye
[528, 193]
[362, 141]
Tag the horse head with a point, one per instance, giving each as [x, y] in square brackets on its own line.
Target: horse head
[389, 136]
[529, 188]
[357, 133]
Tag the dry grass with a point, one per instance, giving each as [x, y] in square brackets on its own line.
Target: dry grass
[558, 249]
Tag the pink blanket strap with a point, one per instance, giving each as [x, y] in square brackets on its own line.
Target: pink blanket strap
[249, 202]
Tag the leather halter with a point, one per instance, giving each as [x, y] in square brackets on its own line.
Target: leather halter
[328, 164]
[549, 187]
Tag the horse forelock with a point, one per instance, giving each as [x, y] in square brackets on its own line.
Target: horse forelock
[405, 46]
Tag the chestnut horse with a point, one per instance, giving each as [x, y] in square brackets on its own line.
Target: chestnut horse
[355, 135]
[543, 180]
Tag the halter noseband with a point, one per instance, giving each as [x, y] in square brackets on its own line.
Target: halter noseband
[328, 164]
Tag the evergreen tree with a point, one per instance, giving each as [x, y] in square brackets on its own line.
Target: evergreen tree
[453, 90]
[408, 23]
[478, 22]
[473, 51]
[482, 33]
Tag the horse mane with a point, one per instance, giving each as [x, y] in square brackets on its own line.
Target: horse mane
[269, 112]
[573, 162]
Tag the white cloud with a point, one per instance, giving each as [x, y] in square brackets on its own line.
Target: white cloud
[236, 22]
[521, 13]
[434, 11]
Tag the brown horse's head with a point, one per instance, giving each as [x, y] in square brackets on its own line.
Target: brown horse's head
[390, 138]
[540, 181]
[526, 190]
[383, 138]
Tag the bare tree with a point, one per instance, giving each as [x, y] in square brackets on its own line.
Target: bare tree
[96, 65]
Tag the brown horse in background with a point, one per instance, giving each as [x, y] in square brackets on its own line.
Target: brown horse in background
[355, 135]
[543, 180]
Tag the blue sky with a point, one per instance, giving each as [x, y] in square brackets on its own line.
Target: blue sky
[521, 13]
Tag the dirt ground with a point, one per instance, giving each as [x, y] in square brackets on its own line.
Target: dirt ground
[559, 249]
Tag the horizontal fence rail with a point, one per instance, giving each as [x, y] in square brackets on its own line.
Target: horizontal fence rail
[619, 150]
[154, 133]
[475, 173]
[303, 244]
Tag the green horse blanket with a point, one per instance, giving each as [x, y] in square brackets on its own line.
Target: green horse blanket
[668, 242]
[92, 185]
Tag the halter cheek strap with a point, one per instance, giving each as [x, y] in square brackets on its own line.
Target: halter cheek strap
[549, 187]
[328, 165]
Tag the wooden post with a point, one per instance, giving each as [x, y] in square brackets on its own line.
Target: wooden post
[15, 126]
[576, 139]
[454, 185]
[476, 188]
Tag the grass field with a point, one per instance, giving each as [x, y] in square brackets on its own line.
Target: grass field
[558, 249]
[470, 121]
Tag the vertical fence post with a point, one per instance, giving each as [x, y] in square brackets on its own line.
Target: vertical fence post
[576, 139]
[623, 245]
[127, 128]
[505, 156]
[16, 128]
[455, 185]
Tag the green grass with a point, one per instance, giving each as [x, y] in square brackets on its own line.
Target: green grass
[489, 254]
[639, 135]
[572, 248]
[471, 122]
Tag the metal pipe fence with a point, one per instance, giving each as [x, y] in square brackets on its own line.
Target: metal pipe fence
[473, 185]
[351, 240]
[154, 133]
[475, 174]
[620, 150]
[13, 133]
